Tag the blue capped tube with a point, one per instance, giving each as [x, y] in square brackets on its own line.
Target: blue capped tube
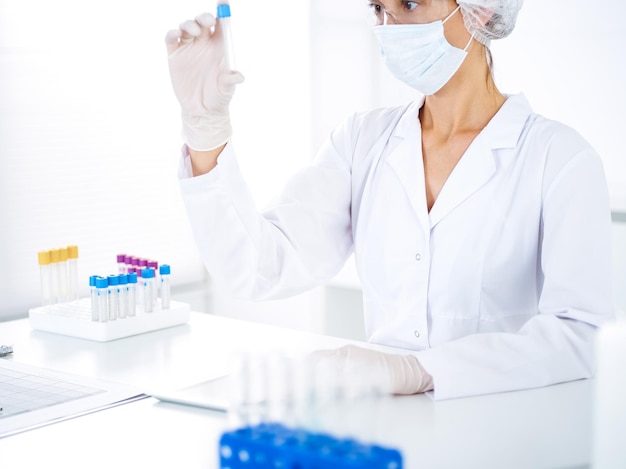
[132, 294]
[147, 282]
[102, 293]
[123, 289]
[223, 18]
[93, 291]
[114, 297]
[165, 289]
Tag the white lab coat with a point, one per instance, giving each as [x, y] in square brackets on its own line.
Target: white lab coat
[499, 287]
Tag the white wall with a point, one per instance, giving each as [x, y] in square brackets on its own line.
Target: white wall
[88, 141]
[619, 268]
[89, 127]
[90, 130]
[567, 57]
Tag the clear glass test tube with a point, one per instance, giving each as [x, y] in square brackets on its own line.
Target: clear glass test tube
[147, 282]
[55, 289]
[45, 274]
[132, 294]
[102, 293]
[223, 18]
[248, 389]
[63, 275]
[123, 299]
[279, 384]
[154, 265]
[165, 289]
[139, 292]
[72, 273]
[93, 295]
[114, 297]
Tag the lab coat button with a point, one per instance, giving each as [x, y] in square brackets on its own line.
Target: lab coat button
[417, 334]
[418, 257]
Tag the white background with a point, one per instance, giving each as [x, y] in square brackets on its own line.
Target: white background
[89, 127]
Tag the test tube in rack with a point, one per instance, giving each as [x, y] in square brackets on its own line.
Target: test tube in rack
[132, 294]
[72, 273]
[147, 282]
[102, 293]
[45, 274]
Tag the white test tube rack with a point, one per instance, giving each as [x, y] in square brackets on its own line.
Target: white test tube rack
[74, 319]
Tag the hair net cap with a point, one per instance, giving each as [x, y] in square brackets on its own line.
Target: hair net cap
[500, 16]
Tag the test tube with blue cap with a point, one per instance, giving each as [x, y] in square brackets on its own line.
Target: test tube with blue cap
[164, 271]
[123, 289]
[114, 297]
[154, 265]
[147, 282]
[93, 292]
[102, 293]
[223, 19]
[132, 294]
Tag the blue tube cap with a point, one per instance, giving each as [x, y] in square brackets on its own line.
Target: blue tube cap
[132, 277]
[223, 10]
[122, 279]
[164, 269]
[147, 273]
[102, 282]
[113, 280]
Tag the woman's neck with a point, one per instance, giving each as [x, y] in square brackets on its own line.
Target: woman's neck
[467, 102]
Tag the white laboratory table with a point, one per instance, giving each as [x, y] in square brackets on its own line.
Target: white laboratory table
[540, 428]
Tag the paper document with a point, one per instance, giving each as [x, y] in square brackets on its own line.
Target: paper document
[214, 394]
[31, 397]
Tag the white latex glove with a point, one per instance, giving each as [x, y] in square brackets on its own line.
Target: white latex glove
[201, 81]
[395, 373]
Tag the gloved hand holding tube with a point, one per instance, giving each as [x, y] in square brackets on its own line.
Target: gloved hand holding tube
[202, 80]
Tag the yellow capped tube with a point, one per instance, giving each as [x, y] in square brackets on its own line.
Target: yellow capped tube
[43, 257]
[62, 271]
[72, 273]
[55, 276]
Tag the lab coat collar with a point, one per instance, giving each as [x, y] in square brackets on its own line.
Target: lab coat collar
[404, 155]
[505, 128]
[472, 171]
[503, 131]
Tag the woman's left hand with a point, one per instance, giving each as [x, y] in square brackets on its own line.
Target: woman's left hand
[390, 373]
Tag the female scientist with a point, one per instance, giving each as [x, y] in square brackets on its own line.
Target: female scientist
[481, 230]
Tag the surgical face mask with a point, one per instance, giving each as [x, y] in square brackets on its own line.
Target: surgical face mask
[419, 54]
